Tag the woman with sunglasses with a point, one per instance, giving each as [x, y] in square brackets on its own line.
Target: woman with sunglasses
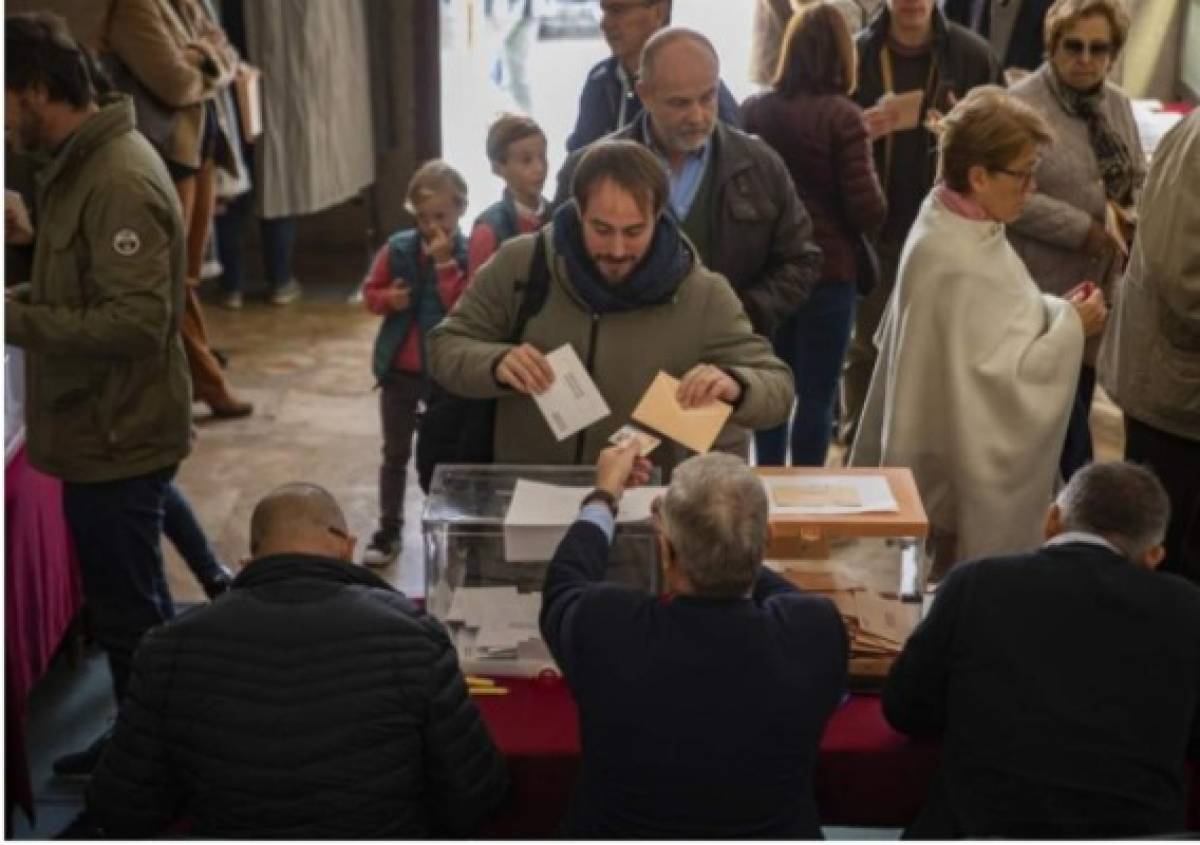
[976, 367]
[1091, 174]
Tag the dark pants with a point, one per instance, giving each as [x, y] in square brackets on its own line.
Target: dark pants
[184, 531]
[1176, 462]
[813, 342]
[399, 397]
[116, 526]
[278, 245]
[1077, 448]
[277, 234]
[862, 354]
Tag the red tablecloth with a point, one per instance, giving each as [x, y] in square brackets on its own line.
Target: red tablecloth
[867, 776]
[41, 597]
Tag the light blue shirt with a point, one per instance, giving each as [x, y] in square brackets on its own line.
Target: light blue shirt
[685, 183]
[601, 516]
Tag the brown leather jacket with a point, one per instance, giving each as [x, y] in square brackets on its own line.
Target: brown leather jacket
[762, 240]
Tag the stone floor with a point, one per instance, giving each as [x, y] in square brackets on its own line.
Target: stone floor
[307, 370]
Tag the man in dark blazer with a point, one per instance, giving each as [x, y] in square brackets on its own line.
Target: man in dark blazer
[1064, 684]
[701, 714]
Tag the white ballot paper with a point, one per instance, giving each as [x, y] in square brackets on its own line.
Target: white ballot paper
[501, 617]
[829, 494]
[572, 402]
[540, 514]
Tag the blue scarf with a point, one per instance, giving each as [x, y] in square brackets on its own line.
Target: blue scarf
[652, 282]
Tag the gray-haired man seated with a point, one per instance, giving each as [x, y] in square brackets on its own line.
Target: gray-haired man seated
[701, 714]
[1064, 684]
[311, 701]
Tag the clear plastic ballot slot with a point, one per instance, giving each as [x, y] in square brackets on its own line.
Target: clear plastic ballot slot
[489, 533]
[856, 536]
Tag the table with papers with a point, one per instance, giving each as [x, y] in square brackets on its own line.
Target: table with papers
[855, 536]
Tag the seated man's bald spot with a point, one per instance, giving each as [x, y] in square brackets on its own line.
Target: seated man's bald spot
[301, 518]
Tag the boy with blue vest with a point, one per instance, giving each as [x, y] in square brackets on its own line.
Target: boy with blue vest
[414, 281]
[516, 147]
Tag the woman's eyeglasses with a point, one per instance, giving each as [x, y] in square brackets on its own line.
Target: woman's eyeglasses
[1095, 49]
[1022, 176]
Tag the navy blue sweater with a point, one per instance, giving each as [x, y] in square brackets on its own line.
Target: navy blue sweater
[699, 717]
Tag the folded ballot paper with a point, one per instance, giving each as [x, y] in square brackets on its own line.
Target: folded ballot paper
[501, 618]
[572, 402]
[540, 514]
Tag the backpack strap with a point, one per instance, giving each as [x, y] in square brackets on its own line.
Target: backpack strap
[534, 289]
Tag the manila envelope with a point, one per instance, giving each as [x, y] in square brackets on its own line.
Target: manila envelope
[886, 620]
[905, 108]
[800, 494]
[695, 428]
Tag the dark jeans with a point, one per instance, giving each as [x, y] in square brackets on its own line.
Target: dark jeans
[813, 342]
[278, 244]
[116, 526]
[1077, 449]
[278, 236]
[184, 531]
[1176, 462]
[399, 397]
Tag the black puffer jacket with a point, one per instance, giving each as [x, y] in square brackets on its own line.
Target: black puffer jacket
[311, 701]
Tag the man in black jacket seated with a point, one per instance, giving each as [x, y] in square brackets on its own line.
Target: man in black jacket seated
[310, 701]
[1065, 683]
[701, 715]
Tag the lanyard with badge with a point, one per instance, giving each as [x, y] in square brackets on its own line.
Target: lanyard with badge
[889, 85]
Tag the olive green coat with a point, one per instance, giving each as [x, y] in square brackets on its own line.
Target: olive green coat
[703, 323]
[107, 389]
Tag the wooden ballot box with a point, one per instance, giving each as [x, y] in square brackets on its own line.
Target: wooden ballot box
[857, 536]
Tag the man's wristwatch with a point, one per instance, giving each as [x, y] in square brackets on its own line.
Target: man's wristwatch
[604, 496]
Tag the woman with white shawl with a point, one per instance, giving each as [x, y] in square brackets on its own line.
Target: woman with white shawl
[977, 367]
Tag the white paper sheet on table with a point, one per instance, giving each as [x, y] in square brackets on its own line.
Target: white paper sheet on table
[572, 402]
[540, 514]
[872, 494]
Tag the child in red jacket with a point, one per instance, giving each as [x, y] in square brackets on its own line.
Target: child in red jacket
[414, 281]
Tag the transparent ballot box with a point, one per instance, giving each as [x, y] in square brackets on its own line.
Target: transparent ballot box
[857, 536]
[484, 567]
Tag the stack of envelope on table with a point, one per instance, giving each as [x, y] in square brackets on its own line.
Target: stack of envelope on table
[878, 623]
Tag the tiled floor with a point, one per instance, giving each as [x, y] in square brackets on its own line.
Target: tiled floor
[306, 367]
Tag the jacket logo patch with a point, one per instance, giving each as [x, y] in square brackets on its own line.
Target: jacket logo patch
[126, 242]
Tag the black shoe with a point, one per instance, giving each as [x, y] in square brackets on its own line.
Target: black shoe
[383, 549]
[83, 763]
[218, 584]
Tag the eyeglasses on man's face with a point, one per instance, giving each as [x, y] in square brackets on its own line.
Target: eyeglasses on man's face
[1094, 49]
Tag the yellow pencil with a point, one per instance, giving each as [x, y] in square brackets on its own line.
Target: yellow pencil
[488, 690]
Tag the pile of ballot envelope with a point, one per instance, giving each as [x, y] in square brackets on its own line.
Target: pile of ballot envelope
[878, 622]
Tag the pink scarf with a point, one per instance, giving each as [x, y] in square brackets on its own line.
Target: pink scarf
[960, 204]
